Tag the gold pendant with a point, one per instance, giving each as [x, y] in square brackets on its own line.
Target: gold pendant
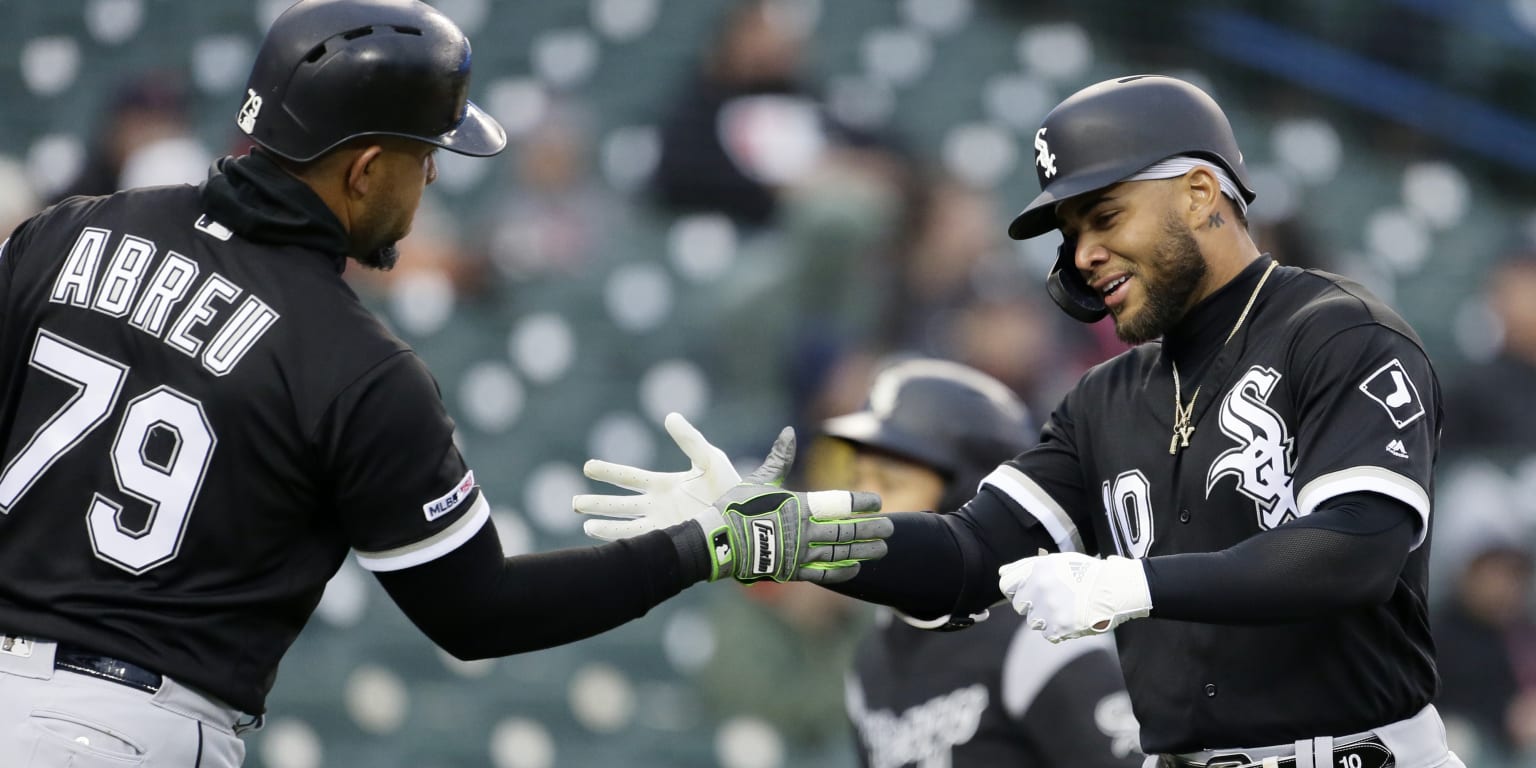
[1180, 439]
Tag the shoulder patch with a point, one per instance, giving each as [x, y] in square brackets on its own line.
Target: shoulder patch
[1394, 391]
[451, 500]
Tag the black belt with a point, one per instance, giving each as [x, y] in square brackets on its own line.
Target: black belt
[1371, 751]
[106, 668]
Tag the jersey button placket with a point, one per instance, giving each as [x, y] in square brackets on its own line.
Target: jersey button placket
[1184, 515]
[1210, 690]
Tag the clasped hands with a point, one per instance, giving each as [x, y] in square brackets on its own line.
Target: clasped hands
[754, 528]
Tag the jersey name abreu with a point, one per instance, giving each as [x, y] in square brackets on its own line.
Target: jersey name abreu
[156, 301]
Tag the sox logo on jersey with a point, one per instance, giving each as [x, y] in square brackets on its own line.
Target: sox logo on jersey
[1264, 457]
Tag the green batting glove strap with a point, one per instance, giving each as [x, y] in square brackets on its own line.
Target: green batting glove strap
[693, 552]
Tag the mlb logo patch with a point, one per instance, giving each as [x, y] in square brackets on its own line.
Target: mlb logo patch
[1391, 388]
[451, 500]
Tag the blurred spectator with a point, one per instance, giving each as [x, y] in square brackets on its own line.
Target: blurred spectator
[956, 248]
[748, 123]
[1022, 343]
[553, 218]
[1487, 408]
[18, 201]
[1483, 634]
[794, 638]
[144, 140]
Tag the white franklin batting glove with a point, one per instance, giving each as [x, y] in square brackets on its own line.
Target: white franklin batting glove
[1069, 594]
[665, 498]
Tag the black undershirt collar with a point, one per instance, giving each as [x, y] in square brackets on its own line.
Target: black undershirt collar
[1196, 340]
[261, 202]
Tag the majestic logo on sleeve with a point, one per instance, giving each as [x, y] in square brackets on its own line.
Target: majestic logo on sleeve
[1263, 459]
[1391, 388]
[1043, 155]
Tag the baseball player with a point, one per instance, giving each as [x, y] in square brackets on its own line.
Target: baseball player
[999, 694]
[198, 419]
[1244, 497]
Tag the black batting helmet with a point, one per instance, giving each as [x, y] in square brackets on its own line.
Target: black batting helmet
[943, 415]
[1104, 134]
[332, 70]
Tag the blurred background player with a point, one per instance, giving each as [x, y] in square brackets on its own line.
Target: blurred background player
[996, 694]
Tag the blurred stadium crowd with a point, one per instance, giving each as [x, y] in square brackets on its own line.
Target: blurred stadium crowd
[736, 209]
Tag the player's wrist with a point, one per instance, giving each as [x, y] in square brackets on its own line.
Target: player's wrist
[693, 554]
[1129, 596]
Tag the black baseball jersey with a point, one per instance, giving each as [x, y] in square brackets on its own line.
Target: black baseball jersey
[1323, 392]
[195, 428]
[995, 694]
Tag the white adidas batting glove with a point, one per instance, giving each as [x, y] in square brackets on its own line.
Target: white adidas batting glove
[665, 498]
[1069, 594]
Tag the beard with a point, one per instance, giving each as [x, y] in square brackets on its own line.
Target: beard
[382, 258]
[1177, 269]
[379, 235]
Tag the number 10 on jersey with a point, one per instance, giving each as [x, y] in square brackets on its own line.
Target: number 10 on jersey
[170, 487]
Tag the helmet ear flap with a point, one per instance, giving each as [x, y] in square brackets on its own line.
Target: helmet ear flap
[1068, 288]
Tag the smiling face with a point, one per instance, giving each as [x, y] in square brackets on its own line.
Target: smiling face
[1138, 254]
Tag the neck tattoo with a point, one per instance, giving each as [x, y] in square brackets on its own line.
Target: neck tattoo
[1183, 415]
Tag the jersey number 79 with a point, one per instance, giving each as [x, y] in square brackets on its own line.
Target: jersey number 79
[170, 488]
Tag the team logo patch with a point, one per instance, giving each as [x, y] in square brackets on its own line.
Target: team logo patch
[1263, 460]
[1391, 388]
[765, 555]
[1043, 155]
[450, 501]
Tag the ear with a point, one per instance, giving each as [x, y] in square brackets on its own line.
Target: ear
[363, 171]
[1202, 195]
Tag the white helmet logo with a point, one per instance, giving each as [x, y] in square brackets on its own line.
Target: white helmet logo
[252, 107]
[1043, 156]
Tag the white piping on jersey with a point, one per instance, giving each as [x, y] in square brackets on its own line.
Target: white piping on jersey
[1370, 480]
[1026, 493]
[432, 547]
[1031, 662]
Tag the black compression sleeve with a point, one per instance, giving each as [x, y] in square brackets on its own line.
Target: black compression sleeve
[940, 564]
[922, 572]
[1346, 555]
[475, 603]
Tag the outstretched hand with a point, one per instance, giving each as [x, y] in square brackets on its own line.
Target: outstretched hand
[755, 529]
[663, 499]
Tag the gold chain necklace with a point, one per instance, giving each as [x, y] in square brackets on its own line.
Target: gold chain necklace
[1183, 415]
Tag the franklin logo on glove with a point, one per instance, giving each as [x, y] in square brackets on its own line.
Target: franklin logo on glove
[763, 553]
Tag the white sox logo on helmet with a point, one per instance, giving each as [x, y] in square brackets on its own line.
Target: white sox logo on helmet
[1043, 156]
[1264, 457]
